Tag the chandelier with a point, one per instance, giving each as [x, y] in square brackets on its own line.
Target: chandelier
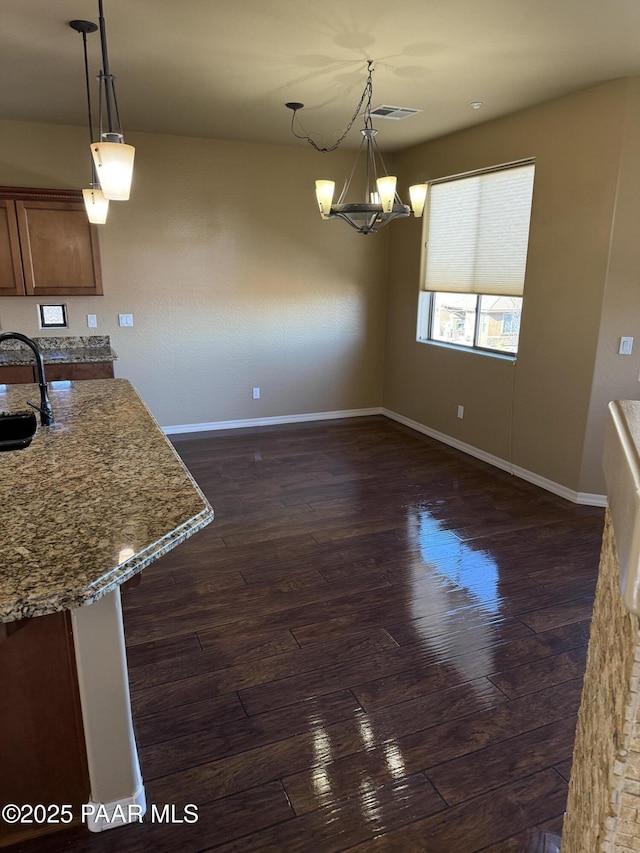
[381, 203]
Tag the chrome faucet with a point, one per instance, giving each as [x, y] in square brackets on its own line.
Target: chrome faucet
[46, 412]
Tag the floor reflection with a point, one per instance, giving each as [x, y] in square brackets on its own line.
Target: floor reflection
[447, 556]
[372, 799]
[454, 589]
[454, 607]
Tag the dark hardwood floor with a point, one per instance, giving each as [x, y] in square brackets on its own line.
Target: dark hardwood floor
[377, 645]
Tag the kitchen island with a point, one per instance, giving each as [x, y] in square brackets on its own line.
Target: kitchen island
[87, 506]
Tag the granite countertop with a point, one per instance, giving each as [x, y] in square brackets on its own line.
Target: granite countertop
[60, 350]
[91, 502]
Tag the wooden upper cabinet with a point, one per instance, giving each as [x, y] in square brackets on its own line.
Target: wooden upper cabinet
[11, 276]
[47, 245]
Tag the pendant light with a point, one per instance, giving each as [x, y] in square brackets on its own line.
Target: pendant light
[380, 202]
[97, 206]
[113, 158]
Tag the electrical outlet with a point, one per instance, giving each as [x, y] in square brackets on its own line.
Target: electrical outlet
[460, 412]
[125, 319]
[92, 321]
[255, 393]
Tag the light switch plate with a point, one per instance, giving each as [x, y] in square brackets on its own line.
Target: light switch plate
[125, 319]
[92, 321]
[626, 346]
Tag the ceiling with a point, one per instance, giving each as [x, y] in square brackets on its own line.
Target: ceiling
[225, 68]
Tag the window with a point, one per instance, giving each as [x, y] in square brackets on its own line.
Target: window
[53, 316]
[474, 258]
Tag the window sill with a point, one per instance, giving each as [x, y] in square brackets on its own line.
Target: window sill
[513, 357]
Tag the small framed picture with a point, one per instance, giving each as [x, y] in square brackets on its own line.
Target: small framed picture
[53, 316]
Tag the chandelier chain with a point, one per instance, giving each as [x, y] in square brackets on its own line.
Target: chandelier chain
[367, 93]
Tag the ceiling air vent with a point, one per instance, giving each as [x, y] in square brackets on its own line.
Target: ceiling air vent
[396, 113]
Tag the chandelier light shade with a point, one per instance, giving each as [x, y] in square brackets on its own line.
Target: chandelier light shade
[96, 205]
[112, 157]
[381, 203]
[114, 166]
[418, 197]
[324, 194]
[387, 192]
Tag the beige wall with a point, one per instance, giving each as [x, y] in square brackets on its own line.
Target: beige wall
[616, 377]
[226, 292]
[537, 412]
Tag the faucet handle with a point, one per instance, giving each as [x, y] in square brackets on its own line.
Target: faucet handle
[46, 413]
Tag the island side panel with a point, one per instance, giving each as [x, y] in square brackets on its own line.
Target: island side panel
[103, 678]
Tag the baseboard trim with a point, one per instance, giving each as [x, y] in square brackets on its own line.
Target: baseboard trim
[584, 498]
[102, 816]
[281, 419]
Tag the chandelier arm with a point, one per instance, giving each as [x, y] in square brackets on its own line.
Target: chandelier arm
[372, 173]
[100, 109]
[362, 229]
[342, 195]
[112, 84]
[385, 171]
[347, 184]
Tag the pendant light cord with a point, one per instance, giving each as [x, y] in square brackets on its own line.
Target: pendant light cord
[85, 27]
[367, 93]
[88, 87]
[107, 78]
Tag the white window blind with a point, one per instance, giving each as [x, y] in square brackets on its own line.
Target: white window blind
[478, 232]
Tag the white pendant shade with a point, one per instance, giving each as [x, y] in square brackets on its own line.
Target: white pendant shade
[114, 167]
[387, 191]
[97, 206]
[324, 194]
[418, 196]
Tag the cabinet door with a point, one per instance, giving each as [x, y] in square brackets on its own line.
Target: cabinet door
[42, 750]
[11, 278]
[17, 374]
[88, 370]
[60, 254]
[24, 374]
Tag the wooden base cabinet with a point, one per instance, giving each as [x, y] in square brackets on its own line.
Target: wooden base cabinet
[47, 245]
[20, 374]
[42, 750]
[25, 374]
[87, 370]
